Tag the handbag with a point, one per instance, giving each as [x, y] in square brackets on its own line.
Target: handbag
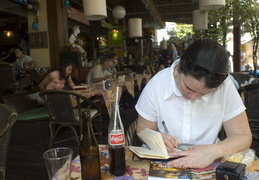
[230, 171]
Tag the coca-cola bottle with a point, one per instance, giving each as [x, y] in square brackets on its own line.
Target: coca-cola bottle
[116, 143]
[89, 151]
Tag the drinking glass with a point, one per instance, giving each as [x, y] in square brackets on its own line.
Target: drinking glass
[58, 163]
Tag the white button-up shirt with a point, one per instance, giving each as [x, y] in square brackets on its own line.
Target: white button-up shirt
[191, 122]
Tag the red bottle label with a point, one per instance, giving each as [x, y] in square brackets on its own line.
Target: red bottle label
[116, 139]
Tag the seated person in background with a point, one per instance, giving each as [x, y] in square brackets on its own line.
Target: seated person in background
[23, 61]
[100, 72]
[56, 79]
[196, 98]
[161, 65]
[114, 59]
[8, 56]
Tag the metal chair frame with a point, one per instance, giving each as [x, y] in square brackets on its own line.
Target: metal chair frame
[62, 113]
[251, 101]
[8, 117]
[9, 81]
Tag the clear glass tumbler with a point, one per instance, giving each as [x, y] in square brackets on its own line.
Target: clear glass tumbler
[58, 163]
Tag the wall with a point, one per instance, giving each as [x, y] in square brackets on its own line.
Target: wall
[40, 55]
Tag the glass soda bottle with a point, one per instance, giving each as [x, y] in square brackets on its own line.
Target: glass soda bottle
[89, 150]
[116, 143]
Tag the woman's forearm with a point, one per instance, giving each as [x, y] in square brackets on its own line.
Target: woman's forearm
[233, 144]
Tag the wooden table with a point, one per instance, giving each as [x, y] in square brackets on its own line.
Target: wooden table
[110, 95]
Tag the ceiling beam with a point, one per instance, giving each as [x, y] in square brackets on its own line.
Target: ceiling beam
[154, 12]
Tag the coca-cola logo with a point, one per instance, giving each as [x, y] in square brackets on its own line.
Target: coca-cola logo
[116, 139]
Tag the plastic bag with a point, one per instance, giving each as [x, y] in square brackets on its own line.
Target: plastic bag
[245, 157]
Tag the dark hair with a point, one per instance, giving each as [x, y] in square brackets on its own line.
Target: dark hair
[62, 69]
[112, 55]
[19, 48]
[207, 59]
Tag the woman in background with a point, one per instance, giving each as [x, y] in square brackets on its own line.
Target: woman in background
[57, 79]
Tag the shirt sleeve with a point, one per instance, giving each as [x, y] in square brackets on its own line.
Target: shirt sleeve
[146, 106]
[233, 102]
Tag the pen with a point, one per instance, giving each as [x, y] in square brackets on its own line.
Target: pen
[166, 130]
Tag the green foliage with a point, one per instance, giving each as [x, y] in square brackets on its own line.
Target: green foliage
[181, 32]
[243, 13]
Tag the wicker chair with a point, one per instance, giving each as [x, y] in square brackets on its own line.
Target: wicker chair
[251, 97]
[131, 137]
[8, 80]
[64, 114]
[8, 117]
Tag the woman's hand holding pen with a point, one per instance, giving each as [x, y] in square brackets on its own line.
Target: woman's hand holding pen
[170, 142]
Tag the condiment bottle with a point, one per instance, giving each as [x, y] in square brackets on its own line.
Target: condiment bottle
[116, 143]
[89, 150]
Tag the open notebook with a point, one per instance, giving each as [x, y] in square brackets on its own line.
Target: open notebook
[154, 140]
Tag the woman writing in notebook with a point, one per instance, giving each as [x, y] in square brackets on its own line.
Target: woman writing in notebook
[57, 79]
[196, 98]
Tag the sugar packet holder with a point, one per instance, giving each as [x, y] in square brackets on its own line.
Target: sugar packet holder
[106, 84]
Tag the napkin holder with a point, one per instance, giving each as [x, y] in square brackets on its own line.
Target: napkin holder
[133, 74]
[121, 78]
[230, 170]
[106, 84]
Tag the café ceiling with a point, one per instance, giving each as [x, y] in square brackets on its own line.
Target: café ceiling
[158, 11]
[154, 12]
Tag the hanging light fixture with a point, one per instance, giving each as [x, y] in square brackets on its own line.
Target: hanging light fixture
[118, 12]
[94, 10]
[211, 4]
[135, 27]
[199, 20]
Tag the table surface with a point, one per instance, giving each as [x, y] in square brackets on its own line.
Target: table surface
[110, 94]
[134, 169]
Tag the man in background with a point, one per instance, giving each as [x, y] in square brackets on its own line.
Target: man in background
[114, 59]
[100, 72]
[23, 61]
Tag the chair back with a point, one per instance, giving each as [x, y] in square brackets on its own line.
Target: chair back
[8, 78]
[241, 77]
[65, 111]
[251, 96]
[8, 117]
[131, 133]
[60, 106]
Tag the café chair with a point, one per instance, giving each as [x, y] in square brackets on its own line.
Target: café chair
[151, 70]
[63, 114]
[8, 117]
[241, 77]
[251, 101]
[130, 133]
[9, 78]
[131, 137]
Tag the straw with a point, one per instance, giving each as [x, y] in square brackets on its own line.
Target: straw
[116, 107]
